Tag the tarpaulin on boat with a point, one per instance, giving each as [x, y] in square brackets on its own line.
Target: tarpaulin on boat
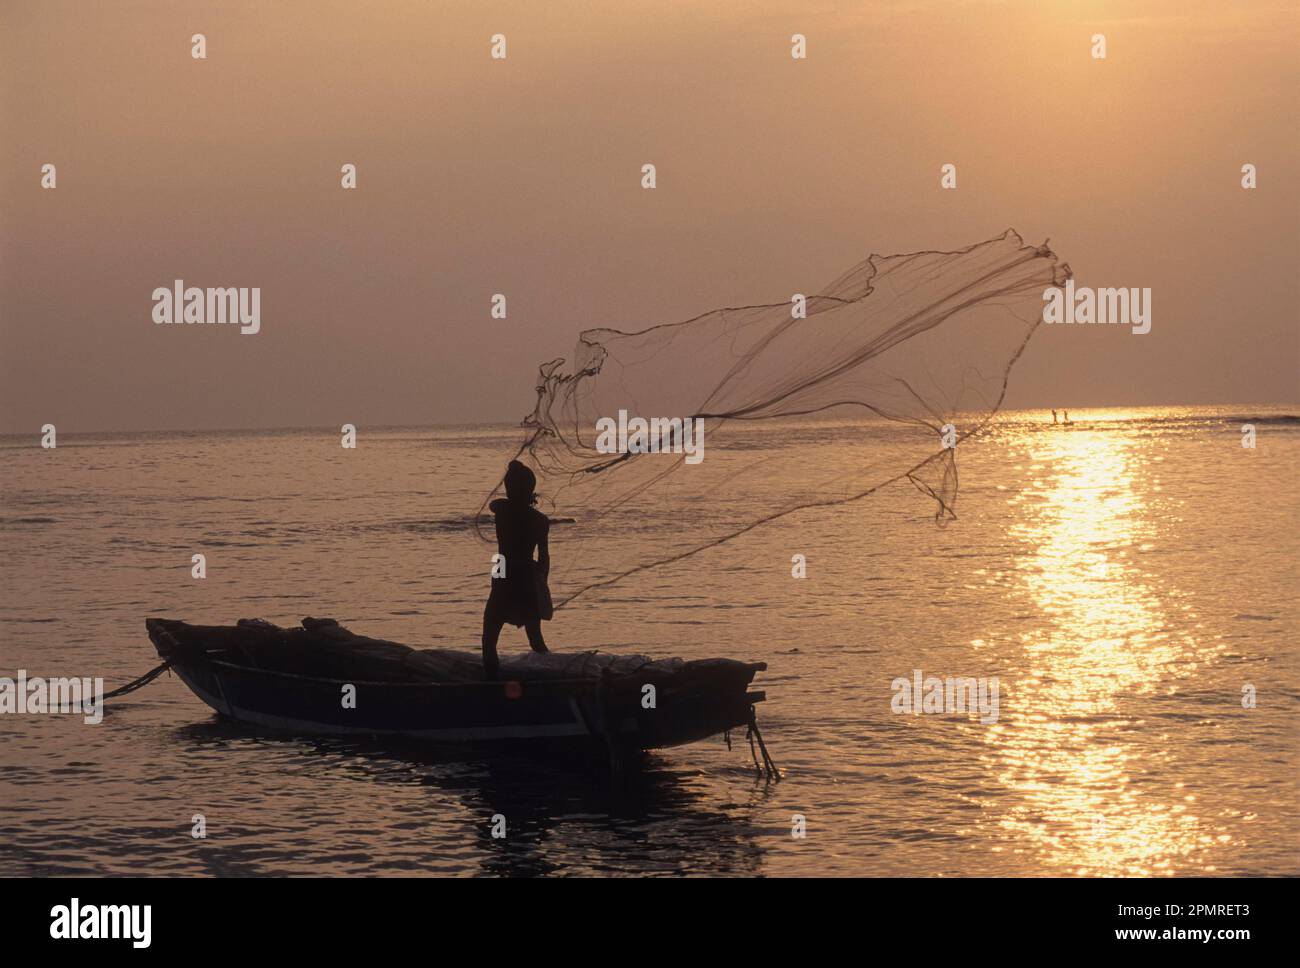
[325, 649]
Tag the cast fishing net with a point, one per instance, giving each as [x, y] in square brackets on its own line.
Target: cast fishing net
[895, 363]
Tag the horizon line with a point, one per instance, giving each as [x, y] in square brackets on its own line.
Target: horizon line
[502, 424]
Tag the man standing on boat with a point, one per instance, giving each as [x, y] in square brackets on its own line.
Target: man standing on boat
[519, 596]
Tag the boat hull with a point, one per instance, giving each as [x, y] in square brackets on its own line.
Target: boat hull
[566, 712]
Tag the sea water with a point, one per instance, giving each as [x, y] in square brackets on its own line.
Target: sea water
[1128, 582]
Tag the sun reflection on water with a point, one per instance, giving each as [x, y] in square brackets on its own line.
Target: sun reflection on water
[1066, 743]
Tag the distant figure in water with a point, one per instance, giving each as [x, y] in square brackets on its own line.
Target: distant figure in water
[1065, 416]
[521, 597]
[1053, 416]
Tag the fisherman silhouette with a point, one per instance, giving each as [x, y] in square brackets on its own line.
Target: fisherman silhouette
[520, 595]
[1053, 416]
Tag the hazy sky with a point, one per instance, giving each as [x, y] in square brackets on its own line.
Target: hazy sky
[523, 176]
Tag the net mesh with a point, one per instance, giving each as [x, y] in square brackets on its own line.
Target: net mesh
[879, 380]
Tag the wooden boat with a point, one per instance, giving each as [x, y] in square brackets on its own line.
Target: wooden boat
[321, 678]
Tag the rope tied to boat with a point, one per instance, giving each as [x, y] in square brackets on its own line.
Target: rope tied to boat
[751, 733]
[140, 682]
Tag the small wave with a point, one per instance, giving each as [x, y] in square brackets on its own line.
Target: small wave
[442, 525]
[1284, 419]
